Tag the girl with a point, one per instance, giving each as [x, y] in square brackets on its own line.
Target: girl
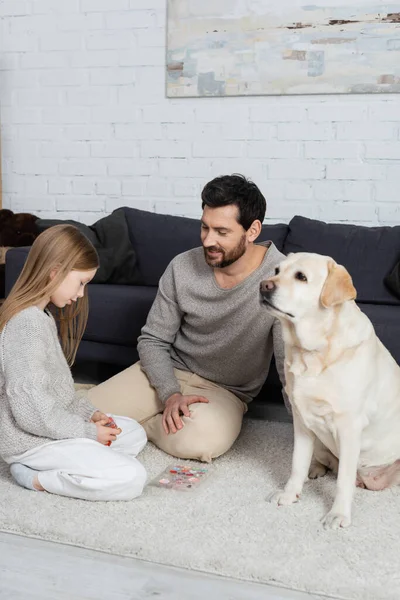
[54, 439]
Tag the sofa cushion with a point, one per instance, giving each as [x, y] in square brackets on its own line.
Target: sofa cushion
[157, 239]
[368, 253]
[274, 233]
[15, 260]
[107, 354]
[117, 313]
[386, 322]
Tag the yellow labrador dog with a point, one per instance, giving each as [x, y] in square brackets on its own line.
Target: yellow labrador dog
[343, 384]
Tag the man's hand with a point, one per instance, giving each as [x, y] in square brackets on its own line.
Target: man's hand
[99, 416]
[174, 407]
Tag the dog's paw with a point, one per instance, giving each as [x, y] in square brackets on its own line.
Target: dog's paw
[334, 520]
[282, 498]
[317, 470]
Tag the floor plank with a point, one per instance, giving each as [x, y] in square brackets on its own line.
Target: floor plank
[35, 569]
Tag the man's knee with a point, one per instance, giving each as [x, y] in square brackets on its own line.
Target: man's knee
[208, 433]
[184, 444]
[200, 444]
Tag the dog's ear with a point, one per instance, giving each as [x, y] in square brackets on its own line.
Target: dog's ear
[338, 286]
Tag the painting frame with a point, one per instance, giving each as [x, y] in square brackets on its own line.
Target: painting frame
[258, 47]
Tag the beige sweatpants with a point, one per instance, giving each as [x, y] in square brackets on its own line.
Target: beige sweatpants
[210, 430]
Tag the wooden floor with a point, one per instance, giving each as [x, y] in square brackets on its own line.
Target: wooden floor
[34, 569]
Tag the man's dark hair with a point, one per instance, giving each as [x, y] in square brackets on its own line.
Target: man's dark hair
[236, 189]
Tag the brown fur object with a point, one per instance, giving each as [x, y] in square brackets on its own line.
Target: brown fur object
[16, 229]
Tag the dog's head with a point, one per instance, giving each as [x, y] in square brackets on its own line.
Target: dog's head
[305, 283]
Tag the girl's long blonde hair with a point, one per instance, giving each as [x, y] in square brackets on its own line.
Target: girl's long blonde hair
[58, 250]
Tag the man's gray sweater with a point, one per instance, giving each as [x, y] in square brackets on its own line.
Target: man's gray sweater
[38, 402]
[224, 335]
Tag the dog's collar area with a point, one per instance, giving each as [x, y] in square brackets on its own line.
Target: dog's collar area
[277, 309]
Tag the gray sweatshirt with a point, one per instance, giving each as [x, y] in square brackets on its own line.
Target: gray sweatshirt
[224, 335]
[38, 402]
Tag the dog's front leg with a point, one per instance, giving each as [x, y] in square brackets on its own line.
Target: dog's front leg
[349, 434]
[302, 455]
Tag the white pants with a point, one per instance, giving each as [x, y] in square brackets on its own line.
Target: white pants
[85, 469]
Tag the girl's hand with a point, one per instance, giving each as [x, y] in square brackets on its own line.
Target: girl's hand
[106, 434]
[99, 416]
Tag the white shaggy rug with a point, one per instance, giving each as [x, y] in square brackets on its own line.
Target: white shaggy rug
[227, 527]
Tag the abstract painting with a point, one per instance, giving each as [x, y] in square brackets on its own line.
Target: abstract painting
[263, 47]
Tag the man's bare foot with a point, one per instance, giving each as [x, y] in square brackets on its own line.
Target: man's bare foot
[380, 478]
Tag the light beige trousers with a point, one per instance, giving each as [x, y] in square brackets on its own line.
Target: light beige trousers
[210, 430]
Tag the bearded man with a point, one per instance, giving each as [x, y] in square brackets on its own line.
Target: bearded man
[206, 348]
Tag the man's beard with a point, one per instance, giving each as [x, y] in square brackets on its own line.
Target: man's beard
[228, 258]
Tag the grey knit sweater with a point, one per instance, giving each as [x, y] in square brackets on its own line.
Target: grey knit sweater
[38, 402]
[224, 335]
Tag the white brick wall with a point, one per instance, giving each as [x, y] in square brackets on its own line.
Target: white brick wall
[86, 126]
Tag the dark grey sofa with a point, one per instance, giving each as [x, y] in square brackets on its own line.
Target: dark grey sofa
[118, 312]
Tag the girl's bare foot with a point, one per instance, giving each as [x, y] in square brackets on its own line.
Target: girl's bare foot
[37, 485]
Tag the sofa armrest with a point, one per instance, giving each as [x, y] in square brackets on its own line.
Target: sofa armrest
[15, 260]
